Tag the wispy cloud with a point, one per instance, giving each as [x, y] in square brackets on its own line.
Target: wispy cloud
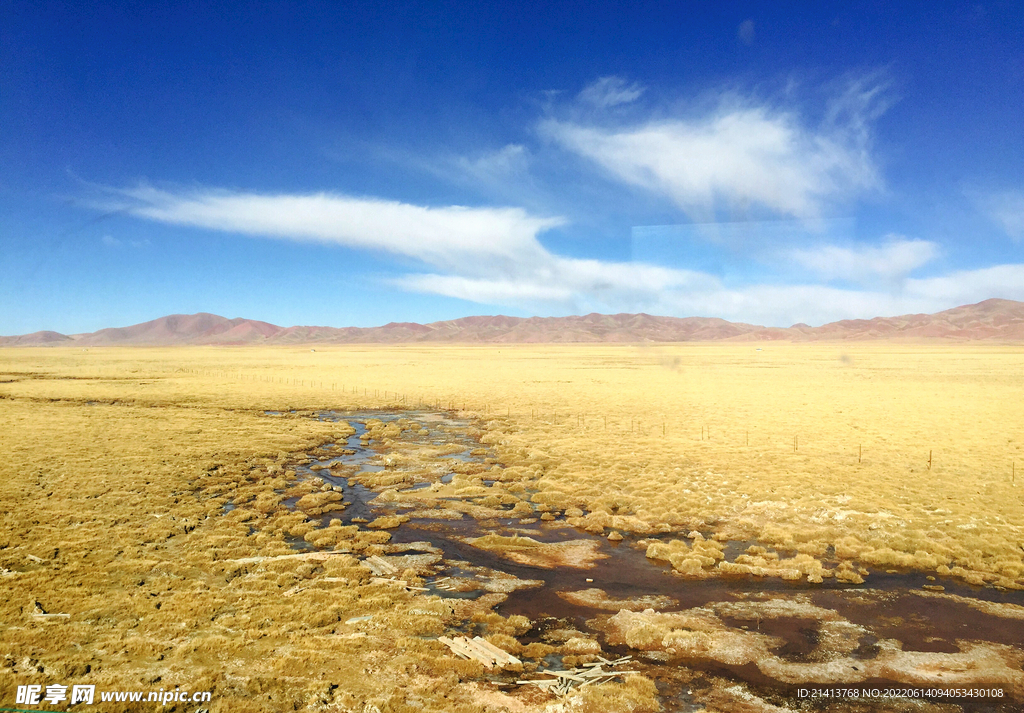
[111, 242]
[745, 32]
[1006, 208]
[610, 91]
[739, 154]
[507, 162]
[447, 237]
[889, 262]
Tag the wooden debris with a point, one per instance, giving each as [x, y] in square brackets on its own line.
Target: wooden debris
[41, 614]
[446, 584]
[387, 580]
[501, 657]
[584, 675]
[392, 580]
[380, 566]
[479, 649]
[299, 556]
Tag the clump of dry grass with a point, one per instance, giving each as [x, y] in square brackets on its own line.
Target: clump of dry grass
[636, 694]
[599, 599]
[526, 550]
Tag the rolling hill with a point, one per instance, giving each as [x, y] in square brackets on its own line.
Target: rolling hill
[991, 320]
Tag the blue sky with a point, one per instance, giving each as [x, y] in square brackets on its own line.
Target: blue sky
[357, 163]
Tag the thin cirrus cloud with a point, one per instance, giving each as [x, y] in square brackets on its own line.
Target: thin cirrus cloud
[111, 242]
[610, 91]
[741, 154]
[1006, 208]
[506, 161]
[745, 32]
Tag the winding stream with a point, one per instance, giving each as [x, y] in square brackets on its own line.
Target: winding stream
[887, 607]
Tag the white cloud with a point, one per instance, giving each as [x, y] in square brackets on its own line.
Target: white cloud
[745, 32]
[111, 242]
[610, 91]
[969, 286]
[569, 284]
[493, 256]
[452, 237]
[508, 162]
[738, 155]
[892, 261]
[492, 291]
[1007, 209]
[570, 287]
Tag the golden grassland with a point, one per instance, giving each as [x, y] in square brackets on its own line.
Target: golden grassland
[796, 445]
[117, 464]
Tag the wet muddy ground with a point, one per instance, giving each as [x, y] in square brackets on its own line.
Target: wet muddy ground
[713, 643]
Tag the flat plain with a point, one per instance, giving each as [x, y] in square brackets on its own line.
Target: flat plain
[815, 463]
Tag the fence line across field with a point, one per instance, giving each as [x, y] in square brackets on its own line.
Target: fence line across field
[636, 424]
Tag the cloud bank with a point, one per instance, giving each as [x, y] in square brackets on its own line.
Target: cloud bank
[889, 262]
[493, 256]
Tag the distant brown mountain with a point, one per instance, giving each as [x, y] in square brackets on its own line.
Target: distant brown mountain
[36, 339]
[199, 328]
[991, 320]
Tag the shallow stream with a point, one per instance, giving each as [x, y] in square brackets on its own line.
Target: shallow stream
[887, 607]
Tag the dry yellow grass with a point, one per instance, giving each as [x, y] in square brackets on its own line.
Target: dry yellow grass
[112, 515]
[117, 463]
[753, 444]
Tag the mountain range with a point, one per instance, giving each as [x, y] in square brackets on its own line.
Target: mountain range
[991, 320]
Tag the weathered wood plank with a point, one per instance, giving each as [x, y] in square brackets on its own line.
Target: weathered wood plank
[500, 655]
[584, 675]
[482, 652]
[461, 645]
[570, 676]
[380, 566]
